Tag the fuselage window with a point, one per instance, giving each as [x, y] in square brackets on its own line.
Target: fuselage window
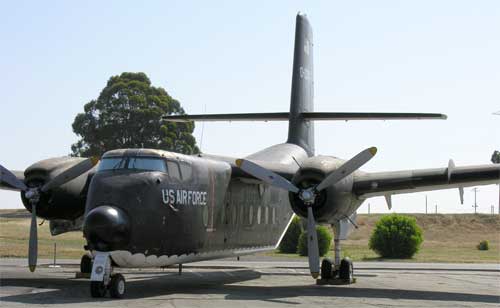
[274, 215]
[250, 215]
[235, 214]
[186, 170]
[266, 215]
[242, 214]
[258, 215]
[173, 170]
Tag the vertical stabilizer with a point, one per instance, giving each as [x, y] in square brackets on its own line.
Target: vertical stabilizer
[301, 131]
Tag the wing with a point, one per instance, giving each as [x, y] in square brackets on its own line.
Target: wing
[285, 170]
[5, 186]
[408, 181]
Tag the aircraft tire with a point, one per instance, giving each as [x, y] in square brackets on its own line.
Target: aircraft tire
[117, 286]
[97, 289]
[326, 269]
[346, 270]
[86, 264]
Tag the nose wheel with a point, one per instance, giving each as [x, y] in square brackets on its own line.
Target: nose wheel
[86, 264]
[102, 278]
[117, 286]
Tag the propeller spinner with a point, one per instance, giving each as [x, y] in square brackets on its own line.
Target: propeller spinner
[309, 194]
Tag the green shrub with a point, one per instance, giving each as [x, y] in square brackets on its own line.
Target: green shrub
[396, 236]
[291, 239]
[483, 245]
[324, 241]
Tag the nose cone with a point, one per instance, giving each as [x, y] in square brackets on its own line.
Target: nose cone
[106, 228]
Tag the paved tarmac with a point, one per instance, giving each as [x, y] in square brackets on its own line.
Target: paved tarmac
[258, 282]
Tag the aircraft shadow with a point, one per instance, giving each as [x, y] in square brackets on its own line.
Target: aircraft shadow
[67, 291]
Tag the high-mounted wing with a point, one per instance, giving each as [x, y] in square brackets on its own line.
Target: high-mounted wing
[398, 182]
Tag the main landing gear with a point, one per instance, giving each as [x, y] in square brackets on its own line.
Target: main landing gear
[102, 278]
[343, 272]
[337, 271]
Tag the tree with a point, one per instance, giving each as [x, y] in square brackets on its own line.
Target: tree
[127, 114]
[495, 158]
[324, 241]
[291, 239]
[396, 236]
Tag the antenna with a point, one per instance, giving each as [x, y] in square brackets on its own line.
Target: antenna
[202, 129]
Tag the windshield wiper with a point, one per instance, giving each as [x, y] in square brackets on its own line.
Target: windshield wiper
[118, 164]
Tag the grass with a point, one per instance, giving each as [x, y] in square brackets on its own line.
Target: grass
[447, 238]
[14, 237]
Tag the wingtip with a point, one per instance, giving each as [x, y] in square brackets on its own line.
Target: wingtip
[32, 268]
[314, 275]
[373, 150]
[239, 162]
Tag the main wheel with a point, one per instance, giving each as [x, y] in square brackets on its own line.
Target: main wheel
[97, 289]
[326, 269]
[346, 270]
[117, 286]
[86, 264]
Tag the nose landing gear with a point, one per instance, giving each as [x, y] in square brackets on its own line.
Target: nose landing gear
[86, 264]
[103, 279]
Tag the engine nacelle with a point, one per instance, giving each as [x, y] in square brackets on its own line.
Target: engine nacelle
[333, 202]
[64, 202]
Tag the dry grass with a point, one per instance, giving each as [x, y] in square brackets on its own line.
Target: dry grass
[14, 236]
[447, 238]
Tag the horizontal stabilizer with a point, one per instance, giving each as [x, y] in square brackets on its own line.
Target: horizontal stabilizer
[272, 116]
[313, 116]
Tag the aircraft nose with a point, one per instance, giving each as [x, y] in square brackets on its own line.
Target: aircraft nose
[106, 228]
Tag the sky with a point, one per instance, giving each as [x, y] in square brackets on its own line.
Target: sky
[229, 56]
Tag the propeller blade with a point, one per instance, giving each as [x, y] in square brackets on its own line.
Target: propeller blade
[312, 244]
[266, 175]
[71, 173]
[9, 178]
[33, 243]
[347, 168]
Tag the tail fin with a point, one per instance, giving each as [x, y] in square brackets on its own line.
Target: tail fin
[301, 130]
[301, 115]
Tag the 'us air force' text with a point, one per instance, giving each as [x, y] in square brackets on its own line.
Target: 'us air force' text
[184, 197]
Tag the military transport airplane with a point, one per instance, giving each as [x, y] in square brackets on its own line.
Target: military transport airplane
[154, 208]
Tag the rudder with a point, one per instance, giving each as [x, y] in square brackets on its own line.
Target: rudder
[301, 130]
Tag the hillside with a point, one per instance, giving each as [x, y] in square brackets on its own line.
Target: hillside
[447, 238]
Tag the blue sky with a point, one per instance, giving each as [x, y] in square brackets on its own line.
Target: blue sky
[418, 56]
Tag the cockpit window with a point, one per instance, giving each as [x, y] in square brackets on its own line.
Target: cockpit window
[150, 164]
[173, 167]
[112, 163]
[135, 163]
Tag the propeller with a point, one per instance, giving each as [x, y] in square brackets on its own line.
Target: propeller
[308, 195]
[33, 195]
